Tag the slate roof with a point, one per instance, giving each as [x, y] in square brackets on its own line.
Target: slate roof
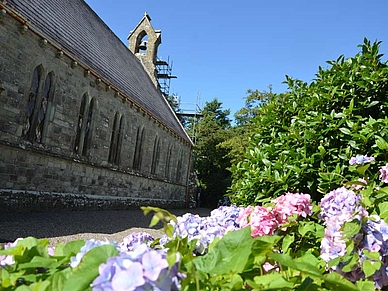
[73, 25]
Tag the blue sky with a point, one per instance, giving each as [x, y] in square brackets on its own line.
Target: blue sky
[219, 49]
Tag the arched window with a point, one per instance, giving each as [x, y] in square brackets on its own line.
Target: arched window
[178, 176]
[155, 155]
[116, 139]
[89, 128]
[168, 163]
[39, 97]
[83, 139]
[138, 149]
[79, 140]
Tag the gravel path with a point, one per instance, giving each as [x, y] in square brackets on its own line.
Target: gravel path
[64, 226]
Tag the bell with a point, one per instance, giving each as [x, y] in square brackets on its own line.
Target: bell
[143, 45]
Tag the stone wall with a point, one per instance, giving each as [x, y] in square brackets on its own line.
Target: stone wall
[152, 162]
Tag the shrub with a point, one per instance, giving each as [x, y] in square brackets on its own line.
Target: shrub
[303, 138]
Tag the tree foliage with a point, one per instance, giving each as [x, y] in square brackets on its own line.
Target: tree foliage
[210, 160]
[302, 139]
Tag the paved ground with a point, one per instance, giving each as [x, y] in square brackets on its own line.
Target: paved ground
[62, 226]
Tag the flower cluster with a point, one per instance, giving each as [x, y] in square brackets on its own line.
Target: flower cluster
[264, 221]
[343, 205]
[360, 160]
[337, 207]
[143, 268]
[292, 203]
[135, 238]
[89, 244]
[205, 229]
[372, 238]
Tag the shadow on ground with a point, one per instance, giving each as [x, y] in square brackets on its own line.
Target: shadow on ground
[63, 223]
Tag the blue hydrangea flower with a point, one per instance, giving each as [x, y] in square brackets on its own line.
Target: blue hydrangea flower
[360, 160]
[135, 238]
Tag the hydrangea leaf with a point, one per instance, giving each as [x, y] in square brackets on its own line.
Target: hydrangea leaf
[370, 267]
[273, 281]
[338, 283]
[304, 266]
[229, 255]
[69, 249]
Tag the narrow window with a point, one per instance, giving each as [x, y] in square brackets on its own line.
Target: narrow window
[83, 139]
[39, 97]
[116, 140]
[29, 131]
[138, 149]
[168, 163]
[89, 128]
[119, 140]
[178, 176]
[155, 155]
[78, 139]
[43, 107]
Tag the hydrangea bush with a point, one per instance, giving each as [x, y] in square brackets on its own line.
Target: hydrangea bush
[289, 243]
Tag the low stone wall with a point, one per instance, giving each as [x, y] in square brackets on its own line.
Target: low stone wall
[26, 201]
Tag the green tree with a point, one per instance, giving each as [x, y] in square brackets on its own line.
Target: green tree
[303, 139]
[239, 134]
[210, 160]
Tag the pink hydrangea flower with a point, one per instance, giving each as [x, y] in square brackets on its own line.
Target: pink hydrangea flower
[243, 218]
[291, 203]
[384, 173]
[261, 220]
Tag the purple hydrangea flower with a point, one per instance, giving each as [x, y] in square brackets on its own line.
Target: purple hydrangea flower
[140, 269]
[384, 173]
[344, 202]
[205, 229]
[360, 160]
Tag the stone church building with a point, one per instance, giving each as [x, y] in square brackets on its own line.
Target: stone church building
[83, 122]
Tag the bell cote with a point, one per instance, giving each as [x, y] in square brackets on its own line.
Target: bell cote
[144, 41]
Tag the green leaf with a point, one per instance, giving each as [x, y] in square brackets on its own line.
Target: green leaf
[304, 267]
[287, 241]
[339, 283]
[229, 255]
[383, 210]
[305, 227]
[272, 281]
[345, 130]
[370, 268]
[365, 285]
[381, 143]
[40, 262]
[70, 249]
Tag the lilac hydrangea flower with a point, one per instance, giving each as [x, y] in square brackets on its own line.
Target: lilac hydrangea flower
[205, 229]
[135, 238]
[360, 160]
[89, 244]
[143, 268]
[8, 260]
[344, 202]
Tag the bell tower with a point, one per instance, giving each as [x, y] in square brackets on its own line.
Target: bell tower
[144, 41]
